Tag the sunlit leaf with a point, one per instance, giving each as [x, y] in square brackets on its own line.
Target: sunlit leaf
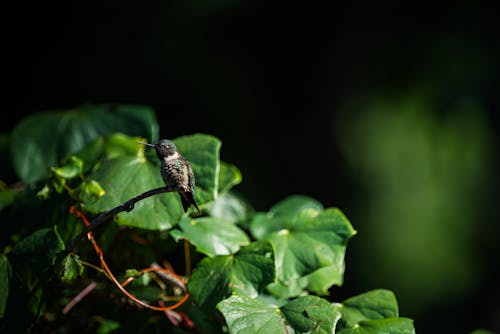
[309, 243]
[44, 193]
[371, 305]
[88, 191]
[126, 177]
[385, 326]
[246, 315]
[70, 168]
[311, 314]
[132, 273]
[211, 236]
[245, 273]
[288, 208]
[230, 208]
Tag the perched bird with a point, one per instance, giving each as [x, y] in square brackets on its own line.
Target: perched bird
[176, 171]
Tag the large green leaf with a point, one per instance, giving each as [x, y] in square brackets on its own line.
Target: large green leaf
[282, 213]
[128, 176]
[246, 315]
[309, 244]
[308, 314]
[40, 140]
[311, 314]
[371, 305]
[374, 311]
[245, 273]
[130, 173]
[385, 326]
[211, 236]
[230, 207]
[5, 274]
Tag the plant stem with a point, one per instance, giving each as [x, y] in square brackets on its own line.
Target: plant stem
[79, 297]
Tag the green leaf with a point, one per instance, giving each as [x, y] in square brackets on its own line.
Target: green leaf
[58, 184]
[6, 198]
[385, 326]
[32, 261]
[5, 275]
[371, 305]
[88, 191]
[126, 177]
[291, 206]
[70, 168]
[141, 280]
[118, 145]
[202, 151]
[310, 245]
[40, 140]
[245, 315]
[108, 326]
[283, 212]
[211, 236]
[229, 176]
[92, 152]
[36, 253]
[230, 208]
[481, 331]
[132, 273]
[131, 174]
[311, 314]
[44, 193]
[71, 268]
[245, 273]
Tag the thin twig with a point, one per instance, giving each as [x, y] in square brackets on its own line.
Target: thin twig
[127, 206]
[88, 289]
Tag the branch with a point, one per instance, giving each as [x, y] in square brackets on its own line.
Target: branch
[127, 206]
[79, 297]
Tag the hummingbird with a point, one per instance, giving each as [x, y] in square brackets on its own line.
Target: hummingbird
[176, 171]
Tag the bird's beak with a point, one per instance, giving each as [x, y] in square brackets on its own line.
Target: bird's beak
[151, 145]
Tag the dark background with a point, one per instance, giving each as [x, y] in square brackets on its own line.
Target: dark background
[311, 98]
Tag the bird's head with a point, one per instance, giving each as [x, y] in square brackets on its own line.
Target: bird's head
[164, 148]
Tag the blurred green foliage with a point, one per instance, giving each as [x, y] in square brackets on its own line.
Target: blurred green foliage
[420, 179]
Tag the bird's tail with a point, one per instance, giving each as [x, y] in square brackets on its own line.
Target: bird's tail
[187, 200]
